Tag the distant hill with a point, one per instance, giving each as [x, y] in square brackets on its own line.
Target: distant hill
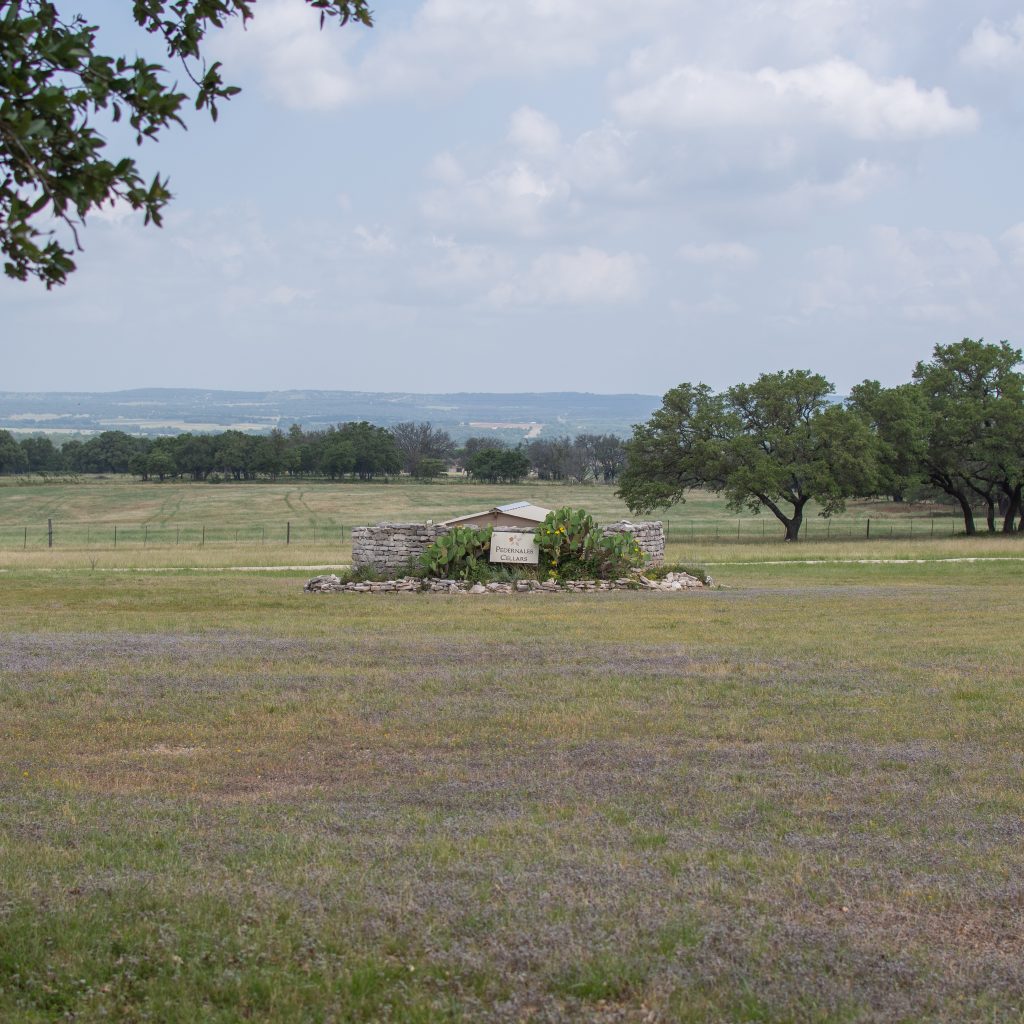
[156, 411]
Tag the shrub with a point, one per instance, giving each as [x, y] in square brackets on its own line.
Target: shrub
[572, 547]
[458, 553]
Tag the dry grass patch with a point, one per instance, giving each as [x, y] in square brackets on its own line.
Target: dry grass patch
[798, 800]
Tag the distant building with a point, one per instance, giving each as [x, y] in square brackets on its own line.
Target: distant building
[518, 513]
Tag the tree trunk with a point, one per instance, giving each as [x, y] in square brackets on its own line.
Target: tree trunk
[1013, 508]
[990, 514]
[968, 512]
[791, 523]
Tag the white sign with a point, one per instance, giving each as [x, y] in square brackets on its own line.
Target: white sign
[514, 547]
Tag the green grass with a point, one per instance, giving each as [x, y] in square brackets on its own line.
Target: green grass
[101, 523]
[795, 799]
[260, 510]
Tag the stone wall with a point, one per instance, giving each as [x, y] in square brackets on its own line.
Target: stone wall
[650, 537]
[388, 547]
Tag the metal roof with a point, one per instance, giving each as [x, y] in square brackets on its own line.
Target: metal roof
[520, 509]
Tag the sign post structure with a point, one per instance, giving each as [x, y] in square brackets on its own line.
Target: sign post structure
[514, 548]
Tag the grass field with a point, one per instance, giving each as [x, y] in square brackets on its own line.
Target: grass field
[111, 523]
[795, 799]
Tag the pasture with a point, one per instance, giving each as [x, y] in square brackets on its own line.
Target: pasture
[115, 522]
[797, 798]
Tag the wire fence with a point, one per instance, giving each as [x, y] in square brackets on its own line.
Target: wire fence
[768, 529]
[98, 534]
[55, 533]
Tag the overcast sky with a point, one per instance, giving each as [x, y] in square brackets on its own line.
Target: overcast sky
[503, 195]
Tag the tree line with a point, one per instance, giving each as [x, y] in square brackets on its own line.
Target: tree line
[956, 429]
[348, 450]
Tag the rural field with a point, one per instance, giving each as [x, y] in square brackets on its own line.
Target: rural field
[796, 797]
[111, 522]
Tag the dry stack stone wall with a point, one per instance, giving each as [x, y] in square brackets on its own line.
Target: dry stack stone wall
[388, 547]
[650, 537]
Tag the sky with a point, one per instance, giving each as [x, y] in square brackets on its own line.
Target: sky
[553, 195]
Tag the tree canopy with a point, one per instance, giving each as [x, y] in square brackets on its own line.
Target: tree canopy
[418, 443]
[973, 397]
[55, 85]
[775, 444]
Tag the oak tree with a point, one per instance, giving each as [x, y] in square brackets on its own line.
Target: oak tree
[974, 396]
[776, 444]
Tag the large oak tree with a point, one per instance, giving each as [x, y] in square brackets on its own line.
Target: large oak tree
[974, 397]
[775, 445]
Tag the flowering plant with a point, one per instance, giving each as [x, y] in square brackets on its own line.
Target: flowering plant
[572, 545]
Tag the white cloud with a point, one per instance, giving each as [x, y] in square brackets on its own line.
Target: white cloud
[532, 131]
[1013, 241]
[511, 198]
[378, 242]
[446, 169]
[452, 266]
[601, 161]
[732, 254]
[285, 295]
[536, 181]
[996, 48]
[445, 45]
[956, 278]
[304, 67]
[835, 94]
[114, 212]
[855, 184]
[585, 276]
[451, 43]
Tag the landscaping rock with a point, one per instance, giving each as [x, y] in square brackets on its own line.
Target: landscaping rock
[672, 582]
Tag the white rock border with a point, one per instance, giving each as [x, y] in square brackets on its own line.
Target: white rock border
[673, 582]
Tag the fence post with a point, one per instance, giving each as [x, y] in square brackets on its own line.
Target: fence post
[868, 534]
[145, 534]
[202, 542]
[49, 533]
[25, 545]
[177, 534]
[115, 535]
[288, 533]
[738, 521]
[343, 535]
[933, 524]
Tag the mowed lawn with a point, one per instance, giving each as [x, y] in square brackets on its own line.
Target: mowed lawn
[796, 799]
